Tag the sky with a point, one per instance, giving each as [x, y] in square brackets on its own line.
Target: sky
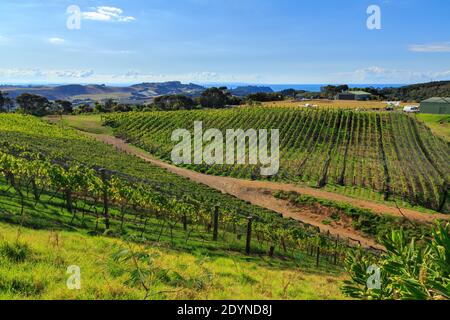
[209, 41]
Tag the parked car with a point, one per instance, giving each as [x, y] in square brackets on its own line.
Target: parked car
[411, 109]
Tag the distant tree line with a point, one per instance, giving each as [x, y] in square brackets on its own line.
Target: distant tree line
[265, 97]
[34, 105]
[214, 98]
[410, 93]
[417, 92]
[40, 106]
[6, 103]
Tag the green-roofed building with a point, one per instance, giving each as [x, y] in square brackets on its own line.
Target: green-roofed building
[436, 105]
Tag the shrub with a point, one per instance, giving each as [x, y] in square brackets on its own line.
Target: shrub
[15, 252]
[408, 271]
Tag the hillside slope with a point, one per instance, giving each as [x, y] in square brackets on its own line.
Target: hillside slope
[178, 263]
[139, 93]
[387, 155]
[40, 271]
[418, 92]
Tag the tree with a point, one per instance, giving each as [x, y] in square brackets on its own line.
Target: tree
[330, 92]
[265, 97]
[218, 98]
[121, 107]
[342, 88]
[2, 102]
[291, 93]
[33, 104]
[9, 104]
[6, 103]
[108, 106]
[173, 102]
[63, 107]
[85, 108]
[214, 98]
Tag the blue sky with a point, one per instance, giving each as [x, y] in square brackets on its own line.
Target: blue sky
[253, 41]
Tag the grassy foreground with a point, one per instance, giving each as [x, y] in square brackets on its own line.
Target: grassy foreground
[37, 269]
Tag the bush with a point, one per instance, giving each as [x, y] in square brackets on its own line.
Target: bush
[21, 285]
[15, 252]
[408, 271]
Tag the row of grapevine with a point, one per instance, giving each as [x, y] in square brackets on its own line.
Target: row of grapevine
[389, 153]
[134, 202]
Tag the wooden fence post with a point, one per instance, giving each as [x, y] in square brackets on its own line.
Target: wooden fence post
[318, 256]
[105, 197]
[271, 251]
[185, 222]
[216, 223]
[249, 236]
[336, 250]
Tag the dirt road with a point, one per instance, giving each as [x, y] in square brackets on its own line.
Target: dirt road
[260, 193]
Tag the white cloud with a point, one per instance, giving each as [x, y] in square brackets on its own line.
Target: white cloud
[201, 77]
[376, 74]
[56, 40]
[105, 13]
[34, 73]
[75, 74]
[433, 47]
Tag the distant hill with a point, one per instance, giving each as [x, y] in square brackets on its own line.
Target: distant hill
[139, 93]
[419, 92]
[145, 92]
[246, 90]
[414, 92]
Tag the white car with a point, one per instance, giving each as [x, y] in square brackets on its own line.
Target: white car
[411, 109]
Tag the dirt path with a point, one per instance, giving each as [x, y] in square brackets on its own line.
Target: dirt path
[260, 193]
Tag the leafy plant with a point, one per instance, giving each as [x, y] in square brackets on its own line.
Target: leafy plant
[141, 269]
[409, 270]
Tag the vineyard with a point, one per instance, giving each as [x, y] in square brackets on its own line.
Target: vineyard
[389, 154]
[154, 205]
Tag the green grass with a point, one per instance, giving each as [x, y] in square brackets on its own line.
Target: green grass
[85, 123]
[438, 123]
[34, 259]
[378, 197]
[364, 220]
[42, 272]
